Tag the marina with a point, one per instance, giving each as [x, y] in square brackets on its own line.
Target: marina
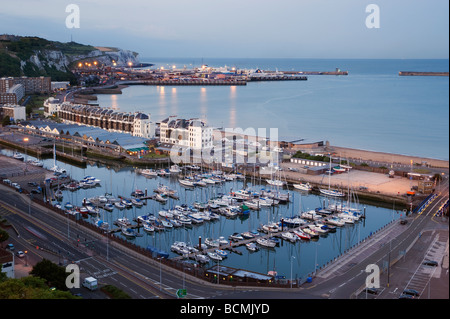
[262, 240]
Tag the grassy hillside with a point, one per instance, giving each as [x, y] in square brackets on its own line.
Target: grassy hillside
[20, 49]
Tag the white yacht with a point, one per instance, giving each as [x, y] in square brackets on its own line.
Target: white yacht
[174, 169]
[274, 182]
[289, 236]
[303, 186]
[186, 182]
[331, 192]
[148, 173]
[266, 242]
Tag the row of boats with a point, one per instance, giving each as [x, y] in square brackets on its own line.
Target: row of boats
[34, 162]
[327, 192]
[308, 225]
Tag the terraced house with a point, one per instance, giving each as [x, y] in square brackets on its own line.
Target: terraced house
[136, 124]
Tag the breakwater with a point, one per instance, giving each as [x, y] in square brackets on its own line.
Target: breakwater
[415, 73]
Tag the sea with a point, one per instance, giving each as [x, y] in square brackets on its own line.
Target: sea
[371, 108]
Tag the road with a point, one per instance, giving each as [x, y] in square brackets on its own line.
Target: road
[45, 234]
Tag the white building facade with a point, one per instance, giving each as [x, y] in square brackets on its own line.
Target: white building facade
[143, 126]
[51, 106]
[15, 112]
[192, 133]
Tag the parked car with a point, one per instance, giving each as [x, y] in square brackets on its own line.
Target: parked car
[431, 263]
[373, 291]
[411, 292]
[33, 184]
[10, 247]
[403, 222]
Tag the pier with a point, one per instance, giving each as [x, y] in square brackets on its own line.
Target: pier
[194, 82]
[277, 78]
[337, 72]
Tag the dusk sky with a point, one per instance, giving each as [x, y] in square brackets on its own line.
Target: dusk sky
[242, 28]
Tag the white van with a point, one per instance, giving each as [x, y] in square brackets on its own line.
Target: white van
[90, 283]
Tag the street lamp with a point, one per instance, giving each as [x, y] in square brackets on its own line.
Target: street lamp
[293, 257]
[315, 261]
[26, 139]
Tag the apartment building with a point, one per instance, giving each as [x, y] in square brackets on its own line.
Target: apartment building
[41, 84]
[192, 133]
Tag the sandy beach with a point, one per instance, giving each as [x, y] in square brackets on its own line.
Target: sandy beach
[351, 153]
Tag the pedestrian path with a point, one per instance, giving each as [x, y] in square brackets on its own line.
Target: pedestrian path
[359, 253]
[423, 274]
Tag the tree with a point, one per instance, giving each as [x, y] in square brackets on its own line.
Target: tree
[54, 275]
[2, 275]
[4, 236]
[30, 288]
[6, 120]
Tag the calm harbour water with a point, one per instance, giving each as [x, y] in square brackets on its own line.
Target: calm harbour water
[121, 182]
[373, 108]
